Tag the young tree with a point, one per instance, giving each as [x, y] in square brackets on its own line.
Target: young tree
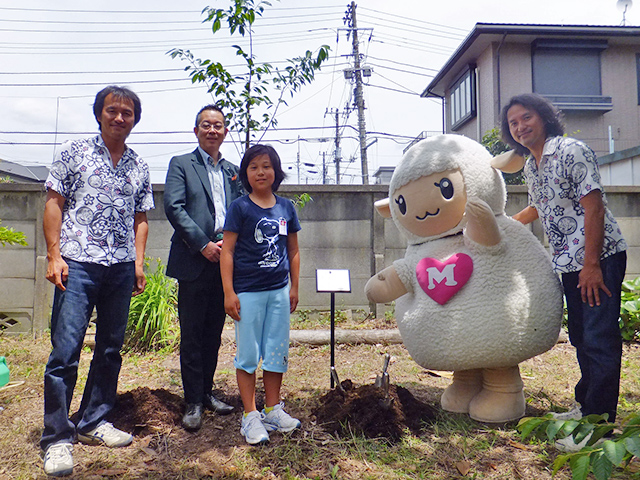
[242, 95]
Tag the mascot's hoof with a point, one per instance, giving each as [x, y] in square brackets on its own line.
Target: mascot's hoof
[457, 396]
[497, 407]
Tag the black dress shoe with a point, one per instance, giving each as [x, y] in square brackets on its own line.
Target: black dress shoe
[218, 406]
[192, 419]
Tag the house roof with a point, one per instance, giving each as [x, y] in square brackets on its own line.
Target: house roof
[483, 34]
[35, 173]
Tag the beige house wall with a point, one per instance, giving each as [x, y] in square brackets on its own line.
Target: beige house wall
[504, 69]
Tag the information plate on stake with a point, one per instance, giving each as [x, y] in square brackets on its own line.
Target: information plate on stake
[333, 281]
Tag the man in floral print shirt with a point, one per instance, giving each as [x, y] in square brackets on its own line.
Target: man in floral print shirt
[95, 227]
[588, 249]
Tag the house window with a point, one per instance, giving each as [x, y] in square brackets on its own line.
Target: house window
[463, 98]
[568, 73]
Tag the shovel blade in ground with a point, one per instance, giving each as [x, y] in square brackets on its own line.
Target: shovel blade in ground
[380, 379]
[336, 380]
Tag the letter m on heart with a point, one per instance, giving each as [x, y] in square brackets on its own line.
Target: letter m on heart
[442, 280]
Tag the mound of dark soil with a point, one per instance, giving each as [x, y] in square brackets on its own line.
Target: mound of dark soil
[144, 411]
[365, 410]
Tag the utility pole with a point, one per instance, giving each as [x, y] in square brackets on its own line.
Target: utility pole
[324, 169]
[337, 154]
[298, 160]
[350, 18]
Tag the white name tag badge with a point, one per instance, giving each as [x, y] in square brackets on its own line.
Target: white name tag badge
[283, 227]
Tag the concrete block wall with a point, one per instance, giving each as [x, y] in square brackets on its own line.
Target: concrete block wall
[340, 230]
[24, 293]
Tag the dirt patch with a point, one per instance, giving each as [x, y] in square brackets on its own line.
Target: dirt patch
[362, 409]
[144, 411]
[368, 411]
[150, 406]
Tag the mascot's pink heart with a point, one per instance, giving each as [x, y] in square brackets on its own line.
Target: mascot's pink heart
[442, 280]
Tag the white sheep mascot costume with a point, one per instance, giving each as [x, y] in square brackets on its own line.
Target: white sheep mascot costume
[475, 291]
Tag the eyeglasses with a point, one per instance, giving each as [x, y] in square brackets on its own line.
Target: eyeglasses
[206, 126]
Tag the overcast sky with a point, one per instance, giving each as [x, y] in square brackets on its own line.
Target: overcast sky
[55, 56]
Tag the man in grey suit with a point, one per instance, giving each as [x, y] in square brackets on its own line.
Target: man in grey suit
[198, 189]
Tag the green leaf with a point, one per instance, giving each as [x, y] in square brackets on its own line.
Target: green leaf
[527, 427]
[632, 444]
[600, 431]
[553, 428]
[559, 463]
[568, 427]
[12, 237]
[601, 466]
[579, 466]
[615, 451]
[583, 431]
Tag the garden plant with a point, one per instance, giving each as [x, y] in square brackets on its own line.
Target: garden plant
[153, 316]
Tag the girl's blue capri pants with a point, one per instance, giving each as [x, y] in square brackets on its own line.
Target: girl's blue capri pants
[263, 331]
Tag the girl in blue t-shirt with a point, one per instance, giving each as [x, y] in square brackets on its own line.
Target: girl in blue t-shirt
[259, 257]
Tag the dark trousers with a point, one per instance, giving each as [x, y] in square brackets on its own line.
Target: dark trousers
[595, 332]
[201, 312]
[109, 290]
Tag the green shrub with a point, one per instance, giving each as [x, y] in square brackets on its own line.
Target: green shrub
[630, 310]
[153, 316]
[10, 236]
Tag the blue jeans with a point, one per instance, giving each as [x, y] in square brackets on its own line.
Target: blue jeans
[109, 290]
[595, 332]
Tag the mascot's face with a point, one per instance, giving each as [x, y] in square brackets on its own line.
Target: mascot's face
[432, 204]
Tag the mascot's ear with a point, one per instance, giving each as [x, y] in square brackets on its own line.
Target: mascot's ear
[382, 207]
[508, 162]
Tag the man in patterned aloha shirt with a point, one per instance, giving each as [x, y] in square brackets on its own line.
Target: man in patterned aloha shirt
[95, 227]
[588, 249]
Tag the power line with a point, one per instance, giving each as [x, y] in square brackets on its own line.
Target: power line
[397, 84]
[164, 132]
[142, 12]
[208, 41]
[134, 47]
[127, 82]
[462, 31]
[101, 22]
[141, 22]
[164, 30]
[163, 70]
[414, 44]
[398, 70]
[89, 84]
[431, 34]
[404, 64]
[441, 52]
[393, 89]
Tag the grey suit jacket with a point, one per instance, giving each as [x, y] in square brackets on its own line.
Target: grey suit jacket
[188, 204]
